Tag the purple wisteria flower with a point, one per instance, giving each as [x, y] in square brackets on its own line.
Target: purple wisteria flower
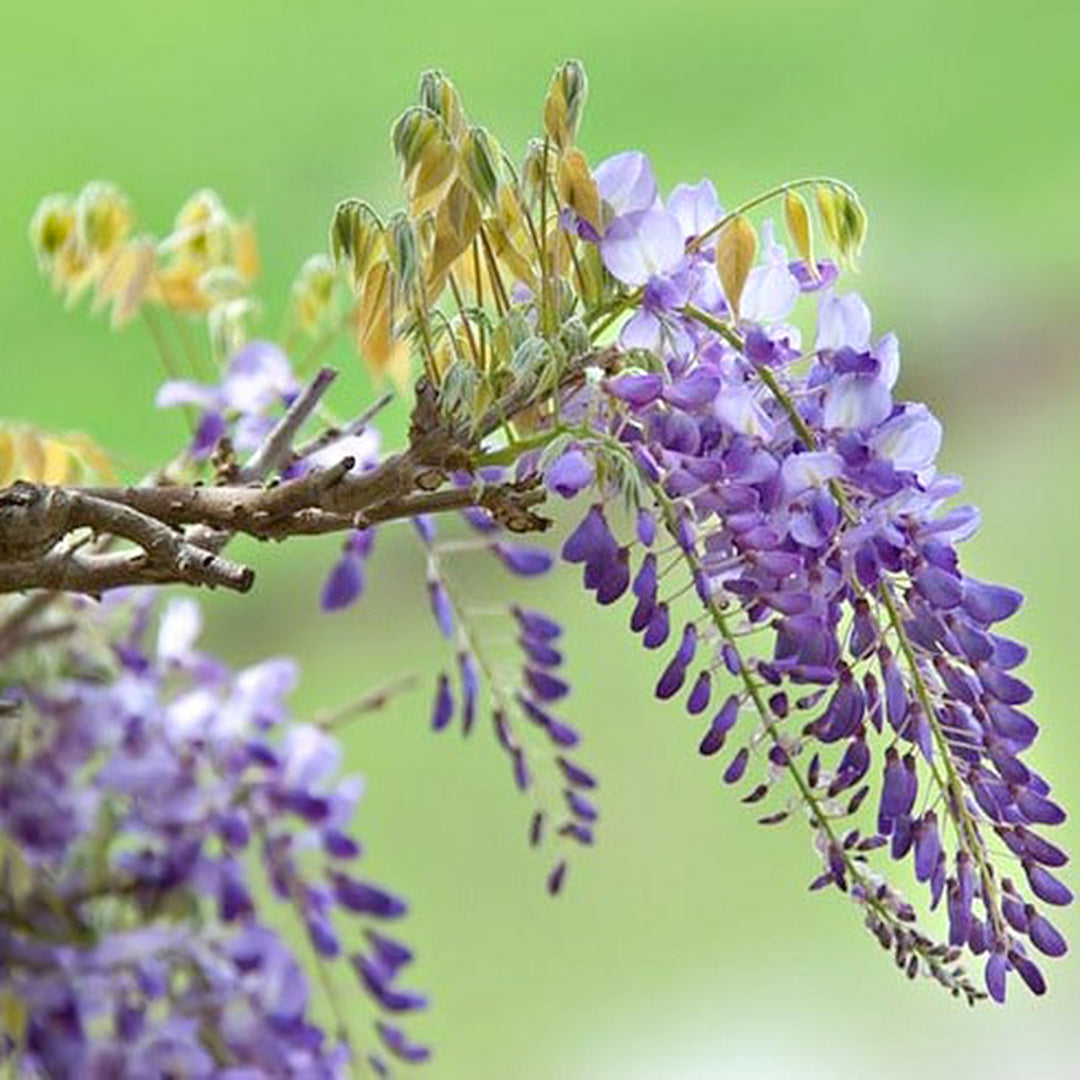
[257, 379]
[521, 697]
[154, 806]
[647, 245]
[819, 539]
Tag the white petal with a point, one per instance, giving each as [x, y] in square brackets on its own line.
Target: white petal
[843, 321]
[856, 402]
[180, 627]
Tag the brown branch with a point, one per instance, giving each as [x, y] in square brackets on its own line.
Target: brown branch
[34, 518]
[278, 444]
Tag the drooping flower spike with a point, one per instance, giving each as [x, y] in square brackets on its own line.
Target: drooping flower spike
[817, 534]
[521, 695]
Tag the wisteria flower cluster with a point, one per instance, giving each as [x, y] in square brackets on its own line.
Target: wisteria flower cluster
[726, 433]
[148, 798]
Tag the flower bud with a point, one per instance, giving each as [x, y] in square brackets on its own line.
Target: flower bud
[853, 226]
[564, 103]
[825, 196]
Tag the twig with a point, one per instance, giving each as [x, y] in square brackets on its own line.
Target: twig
[278, 444]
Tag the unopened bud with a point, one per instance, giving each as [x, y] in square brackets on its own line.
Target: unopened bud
[829, 213]
[853, 226]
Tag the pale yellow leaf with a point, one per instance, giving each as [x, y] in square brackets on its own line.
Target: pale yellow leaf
[735, 250]
[797, 219]
[56, 464]
[30, 456]
[7, 458]
[246, 250]
[577, 189]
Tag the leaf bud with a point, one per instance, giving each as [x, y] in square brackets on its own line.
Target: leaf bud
[480, 165]
[564, 103]
[356, 234]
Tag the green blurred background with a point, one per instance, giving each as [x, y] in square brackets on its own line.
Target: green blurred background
[687, 945]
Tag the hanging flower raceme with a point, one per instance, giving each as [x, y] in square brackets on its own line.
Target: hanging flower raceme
[864, 665]
[521, 693]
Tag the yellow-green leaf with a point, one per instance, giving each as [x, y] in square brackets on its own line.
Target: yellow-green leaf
[797, 219]
[735, 250]
[383, 352]
[7, 458]
[829, 213]
[577, 189]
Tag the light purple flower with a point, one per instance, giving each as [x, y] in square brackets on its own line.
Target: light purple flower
[910, 440]
[569, 474]
[695, 207]
[642, 245]
[843, 321]
[771, 289]
[626, 183]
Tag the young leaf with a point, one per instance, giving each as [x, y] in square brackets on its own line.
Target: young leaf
[797, 219]
[735, 251]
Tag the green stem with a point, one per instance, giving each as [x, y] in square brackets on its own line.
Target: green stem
[764, 197]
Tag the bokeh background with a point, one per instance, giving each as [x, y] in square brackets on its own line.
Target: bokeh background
[687, 946]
